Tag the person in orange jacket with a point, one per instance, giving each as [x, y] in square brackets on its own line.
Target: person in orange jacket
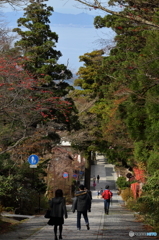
[107, 195]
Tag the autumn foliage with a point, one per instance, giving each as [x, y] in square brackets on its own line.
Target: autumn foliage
[18, 86]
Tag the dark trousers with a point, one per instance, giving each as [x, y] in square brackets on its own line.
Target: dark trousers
[106, 205]
[79, 218]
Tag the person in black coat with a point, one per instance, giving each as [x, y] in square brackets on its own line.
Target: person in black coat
[98, 177]
[58, 211]
[81, 203]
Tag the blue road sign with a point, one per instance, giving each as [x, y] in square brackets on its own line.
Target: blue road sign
[75, 175]
[65, 175]
[33, 159]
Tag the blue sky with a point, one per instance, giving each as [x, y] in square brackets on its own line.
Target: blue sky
[71, 6]
[81, 41]
[64, 6]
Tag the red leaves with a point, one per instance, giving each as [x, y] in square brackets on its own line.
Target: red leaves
[22, 93]
[10, 89]
[119, 27]
[130, 67]
[44, 115]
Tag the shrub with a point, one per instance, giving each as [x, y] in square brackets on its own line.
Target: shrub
[152, 162]
[126, 194]
[132, 204]
[9, 209]
[122, 183]
[1, 208]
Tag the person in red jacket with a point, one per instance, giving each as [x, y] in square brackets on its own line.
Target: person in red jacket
[107, 195]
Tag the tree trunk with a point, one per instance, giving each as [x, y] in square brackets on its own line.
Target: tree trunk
[88, 171]
[93, 158]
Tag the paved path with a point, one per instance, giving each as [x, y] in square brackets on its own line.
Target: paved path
[115, 226]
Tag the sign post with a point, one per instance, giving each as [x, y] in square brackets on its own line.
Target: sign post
[129, 175]
[65, 175]
[33, 160]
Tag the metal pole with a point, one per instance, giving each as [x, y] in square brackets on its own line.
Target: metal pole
[33, 178]
[54, 177]
[39, 202]
[129, 187]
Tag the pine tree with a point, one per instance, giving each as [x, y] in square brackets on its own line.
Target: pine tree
[40, 58]
[37, 45]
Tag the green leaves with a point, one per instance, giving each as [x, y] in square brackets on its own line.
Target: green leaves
[122, 183]
[6, 186]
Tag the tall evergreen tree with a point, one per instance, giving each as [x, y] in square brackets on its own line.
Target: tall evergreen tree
[37, 46]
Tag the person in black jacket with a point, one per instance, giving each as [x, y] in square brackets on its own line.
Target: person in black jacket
[98, 177]
[58, 211]
[81, 203]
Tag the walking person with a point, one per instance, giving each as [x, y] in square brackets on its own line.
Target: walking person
[98, 193]
[94, 186]
[107, 195]
[98, 177]
[81, 203]
[94, 179]
[58, 211]
[101, 191]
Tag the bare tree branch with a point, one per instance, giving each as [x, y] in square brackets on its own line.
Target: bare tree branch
[97, 5]
[11, 147]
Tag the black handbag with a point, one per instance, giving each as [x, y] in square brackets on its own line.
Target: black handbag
[48, 214]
